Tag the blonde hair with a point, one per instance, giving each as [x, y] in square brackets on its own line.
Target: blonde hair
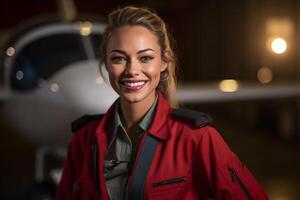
[147, 18]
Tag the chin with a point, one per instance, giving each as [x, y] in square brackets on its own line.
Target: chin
[136, 97]
[132, 98]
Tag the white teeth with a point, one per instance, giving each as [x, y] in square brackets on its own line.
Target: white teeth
[135, 84]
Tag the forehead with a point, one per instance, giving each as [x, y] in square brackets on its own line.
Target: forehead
[132, 38]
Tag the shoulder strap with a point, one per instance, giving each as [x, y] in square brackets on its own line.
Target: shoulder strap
[78, 123]
[137, 183]
[196, 118]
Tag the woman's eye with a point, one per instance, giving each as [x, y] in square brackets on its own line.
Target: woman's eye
[117, 59]
[145, 59]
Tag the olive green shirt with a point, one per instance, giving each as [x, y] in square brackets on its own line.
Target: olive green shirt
[121, 151]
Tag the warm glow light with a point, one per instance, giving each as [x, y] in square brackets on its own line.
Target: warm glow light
[278, 45]
[10, 51]
[54, 87]
[229, 85]
[265, 75]
[85, 28]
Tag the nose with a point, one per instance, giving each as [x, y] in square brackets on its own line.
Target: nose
[133, 67]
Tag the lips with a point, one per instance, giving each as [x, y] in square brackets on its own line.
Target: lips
[133, 85]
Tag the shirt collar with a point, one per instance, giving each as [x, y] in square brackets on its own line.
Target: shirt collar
[159, 127]
[148, 118]
[143, 125]
[117, 118]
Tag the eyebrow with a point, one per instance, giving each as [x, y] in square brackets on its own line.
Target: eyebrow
[148, 49]
[123, 52]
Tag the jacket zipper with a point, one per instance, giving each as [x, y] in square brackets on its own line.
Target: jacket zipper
[237, 179]
[169, 181]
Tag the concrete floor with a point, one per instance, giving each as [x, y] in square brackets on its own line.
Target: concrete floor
[274, 162]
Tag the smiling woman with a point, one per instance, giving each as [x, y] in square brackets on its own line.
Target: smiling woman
[134, 64]
[142, 147]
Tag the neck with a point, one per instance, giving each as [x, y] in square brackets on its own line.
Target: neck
[134, 112]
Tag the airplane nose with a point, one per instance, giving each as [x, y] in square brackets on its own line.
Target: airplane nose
[52, 76]
[42, 58]
[36, 54]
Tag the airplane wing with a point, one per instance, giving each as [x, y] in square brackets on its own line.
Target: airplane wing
[210, 92]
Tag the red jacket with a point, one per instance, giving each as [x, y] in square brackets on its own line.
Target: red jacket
[189, 162]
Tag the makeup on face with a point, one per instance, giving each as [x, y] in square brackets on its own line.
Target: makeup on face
[134, 63]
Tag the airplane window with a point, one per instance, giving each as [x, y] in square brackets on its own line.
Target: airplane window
[96, 41]
[43, 58]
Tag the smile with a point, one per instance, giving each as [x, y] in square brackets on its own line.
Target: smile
[133, 85]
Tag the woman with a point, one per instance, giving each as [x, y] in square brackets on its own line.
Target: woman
[144, 148]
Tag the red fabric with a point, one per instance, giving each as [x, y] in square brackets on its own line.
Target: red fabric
[190, 163]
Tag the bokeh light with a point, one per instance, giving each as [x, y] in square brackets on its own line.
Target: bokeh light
[264, 75]
[85, 27]
[10, 51]
[54, 87]
[229, 85]
[279, 45]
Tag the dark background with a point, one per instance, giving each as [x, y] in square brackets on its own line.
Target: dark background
[215, 40]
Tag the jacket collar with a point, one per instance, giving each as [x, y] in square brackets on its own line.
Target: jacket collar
[160, 123]
[158, 128]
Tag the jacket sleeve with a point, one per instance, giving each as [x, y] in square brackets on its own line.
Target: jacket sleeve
[222, 172]
[71, 169]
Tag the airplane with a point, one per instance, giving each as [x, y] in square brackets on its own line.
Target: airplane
[51, 77]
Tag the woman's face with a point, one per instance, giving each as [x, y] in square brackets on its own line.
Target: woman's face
[134, 63]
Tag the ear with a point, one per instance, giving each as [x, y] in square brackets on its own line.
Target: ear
[165, 60]
[163, 66]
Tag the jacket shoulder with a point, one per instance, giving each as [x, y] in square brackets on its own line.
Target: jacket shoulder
[192, 117]
[85, 119]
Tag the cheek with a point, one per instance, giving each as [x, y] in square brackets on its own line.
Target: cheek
[113, 72]
[154, 72]
[113, 75]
